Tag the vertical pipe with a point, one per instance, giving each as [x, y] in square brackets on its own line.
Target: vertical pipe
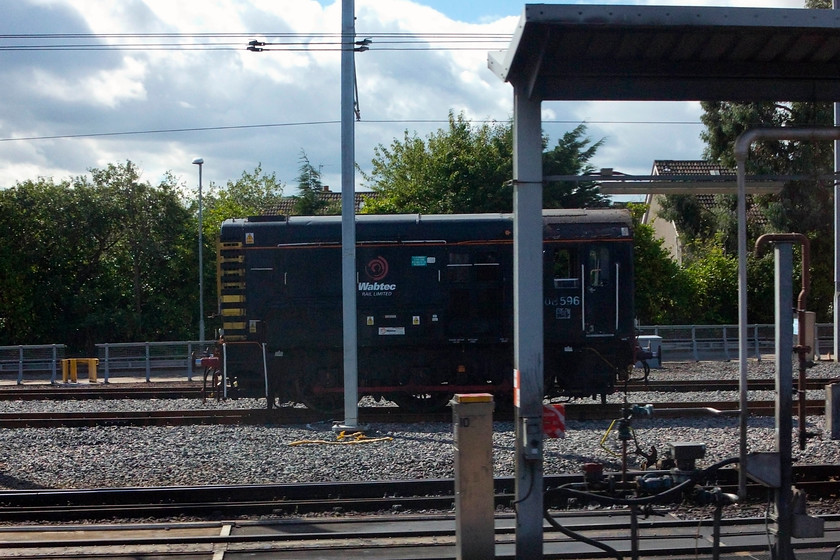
[742, 148]
[742, 318]
[725, 345]
[148, 363]
[107, 362]
[189, 361]
[348, 217]
[224, 372]
[616, 303]
[694, 343]
[836, 305]
[200, 263]
[53, 365]
[265, 370]
[20, 365]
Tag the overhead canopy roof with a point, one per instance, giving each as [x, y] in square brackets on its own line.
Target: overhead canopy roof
[575, 52]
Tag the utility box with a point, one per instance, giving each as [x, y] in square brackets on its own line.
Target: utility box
[810, 330]
[651, 344]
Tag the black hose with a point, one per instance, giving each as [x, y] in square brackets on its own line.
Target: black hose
[577, 536]
[692, 479]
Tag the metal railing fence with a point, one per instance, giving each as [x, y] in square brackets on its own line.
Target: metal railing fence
[145, 359]
[167, 360]
[44, 358]
[720, 342]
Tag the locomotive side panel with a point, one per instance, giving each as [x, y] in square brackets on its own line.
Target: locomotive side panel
[434, 303]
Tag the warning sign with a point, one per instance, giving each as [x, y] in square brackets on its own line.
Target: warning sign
[516, 388]
[554, 420]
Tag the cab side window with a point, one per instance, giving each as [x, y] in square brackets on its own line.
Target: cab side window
[599, 267]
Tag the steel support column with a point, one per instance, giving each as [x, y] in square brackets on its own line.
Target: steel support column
[348, 217]
[528, 323]
[784, 397]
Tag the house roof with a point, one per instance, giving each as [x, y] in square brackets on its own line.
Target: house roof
[286, 205]
[671, 167]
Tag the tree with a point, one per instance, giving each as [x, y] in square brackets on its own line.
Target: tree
[467, 169]
[803, 206]
[663, 290]
[94, 259]
[571, 156]
[250, 195]
[308, 202]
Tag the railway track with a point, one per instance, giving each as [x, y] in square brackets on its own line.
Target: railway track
[188, 390]
[316, 498]
[403, 537]
[699, 385]
[100, 391]
[367, 415]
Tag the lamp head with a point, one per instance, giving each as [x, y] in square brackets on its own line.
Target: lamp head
[198, 161]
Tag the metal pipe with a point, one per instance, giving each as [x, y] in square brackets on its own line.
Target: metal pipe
[802, 347]
[741, 151]
[836, 328]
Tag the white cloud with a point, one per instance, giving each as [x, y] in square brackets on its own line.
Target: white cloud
[92, 92]
[108, 88]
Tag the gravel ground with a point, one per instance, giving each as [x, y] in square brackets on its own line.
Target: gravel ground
[189, 455]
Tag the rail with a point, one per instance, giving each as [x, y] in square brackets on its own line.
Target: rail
[165, 360]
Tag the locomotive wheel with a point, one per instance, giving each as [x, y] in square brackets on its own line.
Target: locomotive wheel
[326, 402]
[421, 402]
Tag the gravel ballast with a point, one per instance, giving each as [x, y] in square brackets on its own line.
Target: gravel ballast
[191, 455]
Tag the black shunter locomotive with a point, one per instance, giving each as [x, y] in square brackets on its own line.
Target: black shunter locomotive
[434, 306]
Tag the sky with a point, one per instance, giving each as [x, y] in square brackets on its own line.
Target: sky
[184, 86]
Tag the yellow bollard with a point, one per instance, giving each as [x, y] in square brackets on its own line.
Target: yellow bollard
[68, 368]
[91, 365]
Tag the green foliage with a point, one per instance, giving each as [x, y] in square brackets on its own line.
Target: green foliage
[803, 206]
[308, 203]
[467, 169]
[714, 276]
[249, 195]
[663, 289]
[571, 156]
[111, 258]
[93, 259]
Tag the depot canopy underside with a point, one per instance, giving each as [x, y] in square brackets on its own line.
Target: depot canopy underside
[573, 52]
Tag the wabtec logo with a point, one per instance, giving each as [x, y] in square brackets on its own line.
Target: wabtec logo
[376, 287]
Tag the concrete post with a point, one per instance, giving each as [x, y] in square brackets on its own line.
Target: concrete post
[472, 416]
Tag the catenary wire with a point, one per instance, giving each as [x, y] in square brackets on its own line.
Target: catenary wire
[308, 123]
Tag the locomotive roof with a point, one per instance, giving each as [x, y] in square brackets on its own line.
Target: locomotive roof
[577, 215]
[444, 228]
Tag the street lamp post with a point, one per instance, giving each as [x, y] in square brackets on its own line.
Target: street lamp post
[200, 162]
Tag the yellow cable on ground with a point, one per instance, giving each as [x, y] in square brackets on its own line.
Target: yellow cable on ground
[342, 439]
